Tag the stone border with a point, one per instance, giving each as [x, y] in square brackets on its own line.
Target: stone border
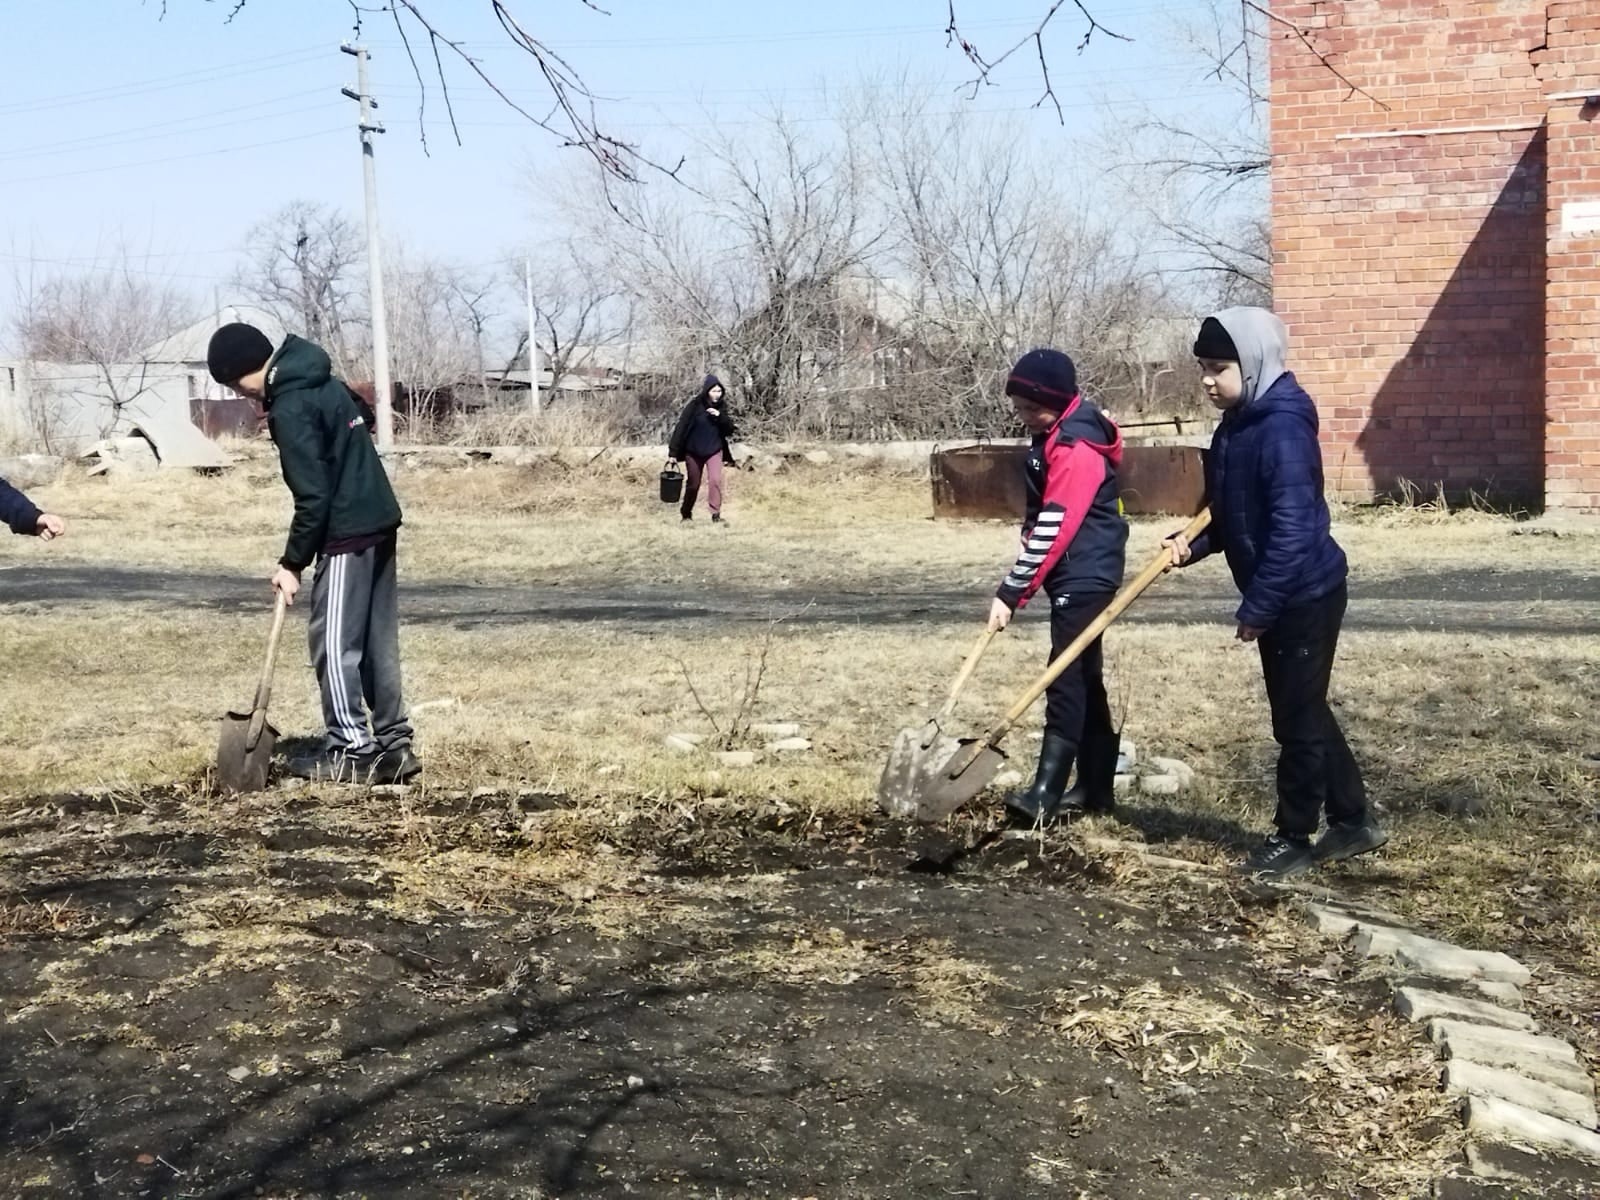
[1528, 1102]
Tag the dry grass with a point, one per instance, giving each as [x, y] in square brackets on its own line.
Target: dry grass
[120, 696]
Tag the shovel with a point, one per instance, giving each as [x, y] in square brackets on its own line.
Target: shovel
[934, 794]
[909, 754]
[248, 738]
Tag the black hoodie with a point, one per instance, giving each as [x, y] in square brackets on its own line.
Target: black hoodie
[698, 432]
[325, 448]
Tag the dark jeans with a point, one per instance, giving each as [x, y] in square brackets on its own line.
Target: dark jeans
[1316, 771]
[355, 646]
[1076, 707]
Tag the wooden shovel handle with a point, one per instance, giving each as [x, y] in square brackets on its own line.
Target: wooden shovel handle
[258, 710]
[1130, 593]
[967, 668]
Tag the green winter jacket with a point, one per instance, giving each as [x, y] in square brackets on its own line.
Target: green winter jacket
[329, 462]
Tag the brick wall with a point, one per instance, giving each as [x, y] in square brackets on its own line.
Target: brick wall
[1412, 270]
[1571, 62]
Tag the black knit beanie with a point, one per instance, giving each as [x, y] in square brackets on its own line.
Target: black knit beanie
[237, 350]
[1047, 377]
[1215, 343]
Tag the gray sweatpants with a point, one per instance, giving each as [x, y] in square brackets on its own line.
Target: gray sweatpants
[355, 646]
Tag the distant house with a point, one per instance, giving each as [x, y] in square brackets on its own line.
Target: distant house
[65, 407]
[622, 364]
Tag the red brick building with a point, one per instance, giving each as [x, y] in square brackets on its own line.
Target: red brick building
[1436, 225]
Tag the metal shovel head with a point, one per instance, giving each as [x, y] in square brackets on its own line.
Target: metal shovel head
[942, 792]
[898, 786]
[916, 781]
[239, 768]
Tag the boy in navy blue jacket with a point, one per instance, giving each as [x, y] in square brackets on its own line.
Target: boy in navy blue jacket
[1073, 546]
[1269, 518]
[24, 517]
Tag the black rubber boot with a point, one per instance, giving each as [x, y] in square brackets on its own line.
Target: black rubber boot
[1094, 791]
[1038, 805]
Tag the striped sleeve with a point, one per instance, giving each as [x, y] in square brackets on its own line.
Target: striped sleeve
[1073, 475]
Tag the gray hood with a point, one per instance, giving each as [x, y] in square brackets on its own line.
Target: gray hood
[1262, 341]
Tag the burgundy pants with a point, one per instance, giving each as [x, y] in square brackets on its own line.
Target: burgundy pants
[711, 469]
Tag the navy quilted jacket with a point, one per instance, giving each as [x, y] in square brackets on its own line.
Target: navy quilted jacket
[17, 511]
[1264, 484]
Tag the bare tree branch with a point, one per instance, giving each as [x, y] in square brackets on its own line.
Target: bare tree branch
[1305, 40]
[986, 66]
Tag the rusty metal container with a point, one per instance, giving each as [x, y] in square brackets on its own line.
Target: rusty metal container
[1169, 480]
[985, 481]
[979, 483]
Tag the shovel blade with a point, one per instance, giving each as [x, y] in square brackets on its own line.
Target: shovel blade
[897, 786]
[239, 767]
[942, 793]
[916, 780]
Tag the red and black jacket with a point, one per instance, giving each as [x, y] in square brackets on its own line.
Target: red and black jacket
[1073, 537]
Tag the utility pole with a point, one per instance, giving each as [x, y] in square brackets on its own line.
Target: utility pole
[383, 393]
[533, 344]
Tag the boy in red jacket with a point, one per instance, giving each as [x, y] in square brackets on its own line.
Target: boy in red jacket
[1074, 543]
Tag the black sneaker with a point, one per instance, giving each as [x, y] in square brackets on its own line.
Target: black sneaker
[1344, 841]
[716, 518]
[334, 766]
[399, 765]
[1278, 858]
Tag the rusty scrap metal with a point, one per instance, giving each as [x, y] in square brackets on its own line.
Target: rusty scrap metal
[985, 482]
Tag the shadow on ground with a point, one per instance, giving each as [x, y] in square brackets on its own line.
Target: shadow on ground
[312, 998]
[1457, 601]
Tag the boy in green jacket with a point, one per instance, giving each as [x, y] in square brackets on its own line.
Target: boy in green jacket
[346, 519]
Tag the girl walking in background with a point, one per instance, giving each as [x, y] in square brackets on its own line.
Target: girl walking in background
[700, 442]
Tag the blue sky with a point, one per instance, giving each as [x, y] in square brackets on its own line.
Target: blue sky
[175, 134]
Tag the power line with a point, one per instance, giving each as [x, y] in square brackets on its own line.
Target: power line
[626, 126]
[153, 162]
[123, 138]
[111, 268]
[1021, 24]
[690, 95]
[211, 74]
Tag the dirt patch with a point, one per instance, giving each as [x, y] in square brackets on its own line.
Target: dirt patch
[751, 1005]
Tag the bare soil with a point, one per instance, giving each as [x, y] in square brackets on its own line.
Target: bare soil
[757, 1005]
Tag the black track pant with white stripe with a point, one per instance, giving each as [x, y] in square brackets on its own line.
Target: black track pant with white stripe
[355, 646]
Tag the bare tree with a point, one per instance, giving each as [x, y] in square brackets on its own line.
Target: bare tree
[303, 265]
[745, 272]
[578, 306]
[994, 254]
[102, 324]
[1202, 180]
[434, 343]
[877, 279]
[474, 296]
